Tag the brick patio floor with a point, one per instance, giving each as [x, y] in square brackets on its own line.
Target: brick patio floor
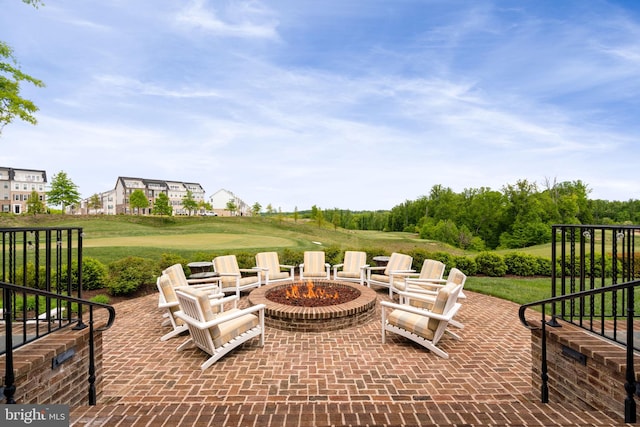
[339, 378]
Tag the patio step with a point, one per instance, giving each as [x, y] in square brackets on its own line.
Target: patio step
[344, 414]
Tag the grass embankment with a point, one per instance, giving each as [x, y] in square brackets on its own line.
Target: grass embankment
[109, 238]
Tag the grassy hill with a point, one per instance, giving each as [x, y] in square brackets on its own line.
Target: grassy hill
[109, 238]
[112, 237]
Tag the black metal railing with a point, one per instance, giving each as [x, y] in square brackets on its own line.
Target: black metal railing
[25, 327]
[590, 257]
[630, 385]
[593, 287]
[45, 259]
[41, 281]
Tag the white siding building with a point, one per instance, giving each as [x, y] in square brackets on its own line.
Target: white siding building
[16, 185]
[116, 201]
[219, 201]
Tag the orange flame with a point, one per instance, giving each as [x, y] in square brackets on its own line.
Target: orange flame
[293, 292]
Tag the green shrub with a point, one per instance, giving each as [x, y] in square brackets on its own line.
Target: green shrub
[418, 255]
[491, 264]
[127, 275]
[94, 274]
[30, 281]
[291, 257]
[520, 264]
[543, 266]
[101, 299]
[245, 259]
[333, 254]
[445, 258]
[465, 264]
[167, 260]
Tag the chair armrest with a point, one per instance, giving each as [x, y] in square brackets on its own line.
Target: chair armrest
[205, 280]
[206, 286]
[229, 274]
[168, 304]
[401, 272]
[219, 319]
[287, 266]
[250, 270]
[375, 268]
[421, 312]
[221, 301]
[423, 283]
[338, 265]
[418, 296]
[419, 291]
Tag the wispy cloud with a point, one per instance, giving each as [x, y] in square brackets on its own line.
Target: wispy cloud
[288, 102]
[242, 19]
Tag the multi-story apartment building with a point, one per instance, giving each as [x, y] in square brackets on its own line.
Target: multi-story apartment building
[16, 185]
[219, 202]
[116, 201]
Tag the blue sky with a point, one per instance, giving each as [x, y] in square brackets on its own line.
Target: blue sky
[351, 104]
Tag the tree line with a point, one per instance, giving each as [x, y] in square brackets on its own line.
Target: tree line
[518, 216]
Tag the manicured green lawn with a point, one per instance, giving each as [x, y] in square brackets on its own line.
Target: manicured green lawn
[109, 238]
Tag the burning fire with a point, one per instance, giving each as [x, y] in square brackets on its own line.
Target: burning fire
[313, 292]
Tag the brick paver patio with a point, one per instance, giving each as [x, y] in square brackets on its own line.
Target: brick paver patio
[338, 378]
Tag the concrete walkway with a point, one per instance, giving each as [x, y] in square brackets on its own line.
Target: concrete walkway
[339, 378]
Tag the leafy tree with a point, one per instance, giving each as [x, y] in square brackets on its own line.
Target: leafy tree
[205, 206]
[63, 191]
[189, 203]
[296, 215]
[231, 206]
[256, 208]
[12, 105]
[317, 215]
[138, 201]
[335, 218]
[484, 214]
[95, 203]
[269, 209]
[161, 205]
[34, 204]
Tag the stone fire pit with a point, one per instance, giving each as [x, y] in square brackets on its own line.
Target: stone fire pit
[291, 317]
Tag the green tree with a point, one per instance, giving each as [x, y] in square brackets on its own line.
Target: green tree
[189, 203]
[231, 206]
[335, 218]
[484, 212]
[317, 215]
[161, 205]
[528, 219]
[269, 209]
[205, 206]
[256, 208]
[34, 204]
[63, 191]
[138, 201]
[12, 105]
[296, 215]
[95, 203]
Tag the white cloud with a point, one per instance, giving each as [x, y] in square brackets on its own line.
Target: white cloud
[390, 100]
[241, 19]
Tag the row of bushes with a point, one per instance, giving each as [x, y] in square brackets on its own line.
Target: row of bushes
[131, 274]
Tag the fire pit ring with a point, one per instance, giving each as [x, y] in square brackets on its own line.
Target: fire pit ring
[316, 319]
